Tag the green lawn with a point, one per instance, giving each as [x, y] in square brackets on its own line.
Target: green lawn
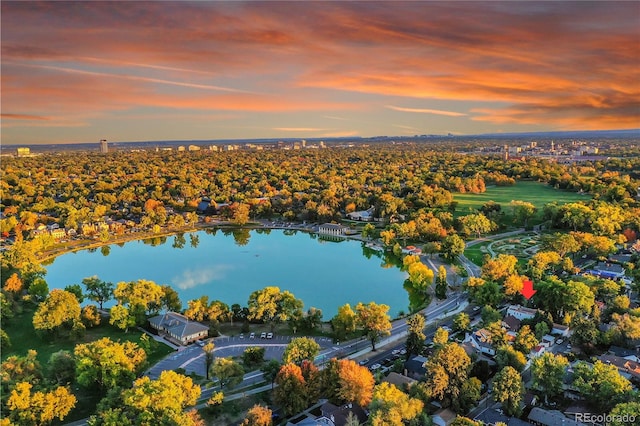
[23, 337]
[536, 193]
[475, 253]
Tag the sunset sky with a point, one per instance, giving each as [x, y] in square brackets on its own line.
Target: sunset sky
[139, 71]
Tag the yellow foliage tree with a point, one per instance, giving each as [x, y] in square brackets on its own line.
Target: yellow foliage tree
[391, 407]
[39, 408]
[258, 415]
[60, 309]
[13, 284]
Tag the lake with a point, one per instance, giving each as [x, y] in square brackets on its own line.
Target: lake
[228, 266]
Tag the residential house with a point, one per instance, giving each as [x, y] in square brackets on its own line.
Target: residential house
[481, 341]
[444, 417]
[399, 380]
[540, 417]
[537, 351]
[521, 313]
[178, 328]
[492, 416]
[547, 340]
[511, 323]
[331, 415]
[627, 368]
[561, 330]
[414, 367]
[607, 270]
[363, 215]
[630, 354]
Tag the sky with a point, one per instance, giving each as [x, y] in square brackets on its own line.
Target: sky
[140, 71]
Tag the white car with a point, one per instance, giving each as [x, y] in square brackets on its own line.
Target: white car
[375, 367]
[269, 335]
[263, 335]
[252, 336]
[559, 341]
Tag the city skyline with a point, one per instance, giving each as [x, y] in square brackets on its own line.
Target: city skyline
[77, 72]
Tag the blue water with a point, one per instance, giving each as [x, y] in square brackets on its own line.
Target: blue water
[323, 274]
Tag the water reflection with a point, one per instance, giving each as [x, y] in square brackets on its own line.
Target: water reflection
[190, 278]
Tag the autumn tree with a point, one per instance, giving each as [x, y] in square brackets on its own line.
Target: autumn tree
[37, 408]
[462, 322]
[476, 224]
[300, 349]
[228, 372]
[272, 306]
[346, 381]
[59, 311]
[500, 267]
[507, 355]
[392, 407]
[120, 317]
[97, 290]
[548, 373]
[447, 370]
[18, 368]
[151, 402]
[344, 322]
[13, 284]
[415, 336]
[374, 320]
[290, 394]
[601, 384]
[258, 415]
[107, 363]
[441, 283]
[525, 340]
[452, 246]
[440, 337]
[509, 390]
[139, 297]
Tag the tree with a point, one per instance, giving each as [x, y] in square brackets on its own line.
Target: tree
[108, 364]
[90, 316]
[27, 408]
[447, 370]
[452, 246]
[38, 289]
[97, 290]
[415, 336]
[300, 349]
[476, 224]
[506, 355]
[508, 389]
[462, 322]
[374, 320]
[500, 267]
[240, 214]
[17, 369]
[522, 211]
[469, 394]
[197, 308]
[271, 306]
[228, 372]
[291, 391]
[525, 340]
[139, 297]
[253, 355]
[215, 401]
[465, 421]
[61, 367]
[548, 373]
[120, 317]
[76, 290]
[270, 371]
[440, 337]
[391, 407]
[344, 322]
[208, 356]
[60, 310]
[258, 415]
[170, 300]
[441, 283]
[13, 284]
[601, 384]
[355, 383]
[623, 412]
[151, 402]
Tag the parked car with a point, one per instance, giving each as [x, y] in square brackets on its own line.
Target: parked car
[363, 361]
[263, 335]
[559, 341]
[375, 367]
[252, 336]
[269, 335]
[200, 343]
[241, 335]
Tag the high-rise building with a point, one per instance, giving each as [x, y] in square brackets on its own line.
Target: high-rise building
[104, 148]
[23, 152]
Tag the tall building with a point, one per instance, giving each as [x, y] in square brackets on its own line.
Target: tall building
[104, 148]
[23, 152]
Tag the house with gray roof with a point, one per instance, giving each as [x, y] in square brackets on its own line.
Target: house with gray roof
[177, 328]
[540, 417]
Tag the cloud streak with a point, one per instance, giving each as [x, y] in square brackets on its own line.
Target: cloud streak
[498, 65]
[427, 111]
[190, 278]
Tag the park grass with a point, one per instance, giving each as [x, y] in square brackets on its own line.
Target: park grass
[475, 252]
[23, 337]
[536, 193]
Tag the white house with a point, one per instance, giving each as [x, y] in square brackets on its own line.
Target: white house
[521, 313]
[332, 229]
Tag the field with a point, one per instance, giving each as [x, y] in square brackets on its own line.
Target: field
[536, 193]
